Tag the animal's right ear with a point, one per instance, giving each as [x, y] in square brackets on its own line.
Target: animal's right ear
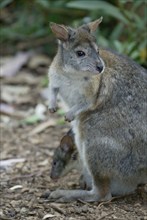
[60, 31]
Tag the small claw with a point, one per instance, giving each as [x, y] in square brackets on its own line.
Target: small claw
[45, 195]
[68, 119]
[52, 110]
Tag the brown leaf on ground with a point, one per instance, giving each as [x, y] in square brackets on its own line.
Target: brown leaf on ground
[10, 162]
[13, 66]
[41, 127]
[39, 60]
[11, 111]
[15, 94]
[23, 77]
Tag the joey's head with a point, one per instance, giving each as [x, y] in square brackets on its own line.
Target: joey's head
[64, 157]
[78, 48]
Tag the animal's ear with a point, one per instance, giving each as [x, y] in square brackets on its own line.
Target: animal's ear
[94, 24]
[67, 144]
[60, 31]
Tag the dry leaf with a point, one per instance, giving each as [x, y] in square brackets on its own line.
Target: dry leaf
[57, 208]
[48, 216]
[10, 162]
[39, 60]
[2, 214]
[9, 110]
[16, 187]
[40, 111]
[14, 65]
[35, 140]
[41, 127]
[5, 119]
[20, 90]
[6, 109]
[15, 94]
[24, 77]
[44, 162]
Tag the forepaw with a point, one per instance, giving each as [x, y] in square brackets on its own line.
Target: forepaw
[69, 116]
[53, 109]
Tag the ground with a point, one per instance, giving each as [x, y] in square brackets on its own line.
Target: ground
[25, 185]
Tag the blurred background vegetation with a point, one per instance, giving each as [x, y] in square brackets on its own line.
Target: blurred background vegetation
[25, 24]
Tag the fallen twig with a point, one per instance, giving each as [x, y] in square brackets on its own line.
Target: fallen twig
[56, 208]
[23, 176]
[10, 162]
[41, 127]
[113, 198]
[104, 216]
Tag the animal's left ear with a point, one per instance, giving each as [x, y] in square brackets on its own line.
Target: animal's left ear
[67, 144]
[94, 24]
[60, 31]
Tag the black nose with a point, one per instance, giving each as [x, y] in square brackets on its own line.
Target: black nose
[99, 68]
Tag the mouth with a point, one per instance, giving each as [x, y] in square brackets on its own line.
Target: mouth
[55, 179]
[94, 71]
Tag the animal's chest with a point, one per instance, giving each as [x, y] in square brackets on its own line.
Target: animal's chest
[66, 91]
[69, 91]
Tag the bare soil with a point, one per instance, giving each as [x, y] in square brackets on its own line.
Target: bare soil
[30, 202]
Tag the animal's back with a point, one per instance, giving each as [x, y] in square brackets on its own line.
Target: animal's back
[120, 62]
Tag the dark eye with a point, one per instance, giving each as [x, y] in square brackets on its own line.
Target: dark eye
[54, 163]
[80, 53]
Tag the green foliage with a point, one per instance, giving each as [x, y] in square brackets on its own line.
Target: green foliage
[61, 121]
[33, 119]
[123, 27]
[44, 81]
[60, 112]
[127, 33]
[104, 6]
[4, 3]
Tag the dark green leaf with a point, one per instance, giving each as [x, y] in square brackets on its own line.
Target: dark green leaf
[98, 5]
